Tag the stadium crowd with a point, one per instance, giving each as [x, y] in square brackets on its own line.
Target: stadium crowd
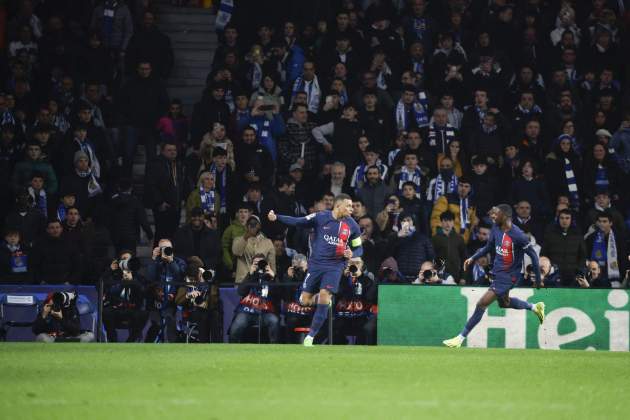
[426, 113]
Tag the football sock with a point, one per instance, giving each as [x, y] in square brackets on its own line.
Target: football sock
[516, 303]
[472, 321]
[321, 313]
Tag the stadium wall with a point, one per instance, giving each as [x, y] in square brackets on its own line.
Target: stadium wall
[587, 319]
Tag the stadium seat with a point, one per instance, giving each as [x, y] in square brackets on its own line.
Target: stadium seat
[17, 311]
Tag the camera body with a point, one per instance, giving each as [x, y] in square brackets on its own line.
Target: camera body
[166, 251]
[129, 264]
[63, 300]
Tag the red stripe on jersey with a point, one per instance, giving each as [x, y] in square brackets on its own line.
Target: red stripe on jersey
[343, 235]
[507, 251]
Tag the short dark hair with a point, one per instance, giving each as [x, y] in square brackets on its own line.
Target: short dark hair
[409, 184]
[358, 200]
[341, 197]
[605, 215]
[566, 212]
[284, 180]
[446, 215]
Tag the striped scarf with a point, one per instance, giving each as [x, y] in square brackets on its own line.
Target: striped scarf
[313, 93]
[207, 201]
[414, 176]
[419, 114]
[441, 187]
[61, 213]
[571, 183]
[601, 177]
[441, 137]
[39, 200]
[605, 253]
[463, 215]
[224, 15]
[222, 185]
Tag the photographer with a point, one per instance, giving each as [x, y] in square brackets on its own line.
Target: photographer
[430, 274]
[163, 269]
[353, 310]
[59, 320]
[296, 315]
[549, 275]
[123, 303]
[258, 303]
[251, 243]
[199, 299]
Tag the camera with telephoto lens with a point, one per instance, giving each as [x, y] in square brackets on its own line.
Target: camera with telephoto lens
[167, 251]
[61, 300]
[428, 274]
[207, 275]
[129, 264]
[261, 266]
[204, 289]
[353, 269]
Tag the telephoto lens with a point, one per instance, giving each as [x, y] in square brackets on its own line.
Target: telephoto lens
[129, 264]
[262, 265]
[207, 275]
[353, 269]
[167, 251]
[427, 274]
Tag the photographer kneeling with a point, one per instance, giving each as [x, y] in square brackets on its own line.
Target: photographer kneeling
[199, 299]
[296, 315]
[59, 320]
[355, 301]
[124, 299]
[258, 302]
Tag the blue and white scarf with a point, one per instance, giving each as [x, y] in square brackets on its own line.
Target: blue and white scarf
[264, 136]
[605, 253]
[419, 113]
[601, 178]
[481, 113]
[222, 185]
[415, 177]
[207, 201]
[463, 215]
[441, 187]
[256, 75]
[571, 183]
[358, 177]
[224, 15]
[440, 137]
[343, 97]
[418, 67]
[40, 200]
[61, 213]
[87, 148]
[109, 12]
[478, 273]
[313, 93]
[7, 118]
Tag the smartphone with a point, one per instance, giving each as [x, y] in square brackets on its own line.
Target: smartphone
[266, 107]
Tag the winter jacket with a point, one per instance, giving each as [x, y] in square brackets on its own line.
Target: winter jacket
[209, 248]
[24, 170]
[127, 215]
[231, 232]
[244, 252]
[451, 202]
[452, 250]
[565, 249]
[411, 252]
[56, 261]
[142, 101]
[374, 196]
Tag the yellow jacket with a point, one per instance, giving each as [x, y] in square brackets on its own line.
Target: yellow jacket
[451, 203]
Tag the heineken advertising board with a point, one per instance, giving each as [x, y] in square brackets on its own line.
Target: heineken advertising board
[589, 319]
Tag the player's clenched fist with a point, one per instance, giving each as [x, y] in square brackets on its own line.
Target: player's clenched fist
[272, 216]
[347, 253]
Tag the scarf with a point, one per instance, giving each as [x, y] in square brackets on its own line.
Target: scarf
[94, 187]
[313, 93]
[418, 67]
[441, 137]
[256, 75]
[441, 187]
[419, 114]
[419, 27]
[18, 261]
[415, 177]
[605, 253]
[463, 215]
[87, 148]
[481, 113]
[39, 200]
[478, 273]
[381, 81]
[109, 12]
[343, 97]
[61, 213]
[207, 201]
[264, 136]
[224, 15]
[222, 178]
[571, 183]
[601, 177]
[7, 118]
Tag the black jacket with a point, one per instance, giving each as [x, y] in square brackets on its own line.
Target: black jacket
[565, 249]
[160, 187]
[9, 273]
[205, 113]
[452, 250]
[152, 45]
[208, 247]
[127, 216]
[55, 261]
[68, 326]
[411, 252]
[142, 101]
[485, 189]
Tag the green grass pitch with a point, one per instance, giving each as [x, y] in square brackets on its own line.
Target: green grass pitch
[147, 381]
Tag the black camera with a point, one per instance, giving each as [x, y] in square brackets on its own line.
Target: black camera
[167, 251]
[129, 264]
[61, 300]
[427, 274]
[353, 269]
[262, 265]
[203, 289]
[207, 275]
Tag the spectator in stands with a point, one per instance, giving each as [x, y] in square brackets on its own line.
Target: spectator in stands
[163, 193]
[374, 191]
[149, 43]
[23, 172]
[528, 188]
[591, 278]
[603, 203]
[299, 146]
[174, 126]
[142, 101]
[409, 247]
[210, 109]
[127, 217]
[30, 223]
[216, 137]
[254, 161]
[235, 229]
[14, 258]
[113, 20]
[204, 197]
[338, 182]
[253, 242]
[389, 216]
[606, 245]
[444, 183]
[259, 301]
[450, 247]
[549, 275]
[410, 172]
[524, 219]
[485, 185]
[563, 171]
[196, 239]
[55, 258]
[462, 205]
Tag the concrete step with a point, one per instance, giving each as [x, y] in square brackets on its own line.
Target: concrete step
[188, 94]
[166, 9]
[174, 82]
[186, 18]
[191, 36]
[170, 27]
[193, 55]
[193, 72]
